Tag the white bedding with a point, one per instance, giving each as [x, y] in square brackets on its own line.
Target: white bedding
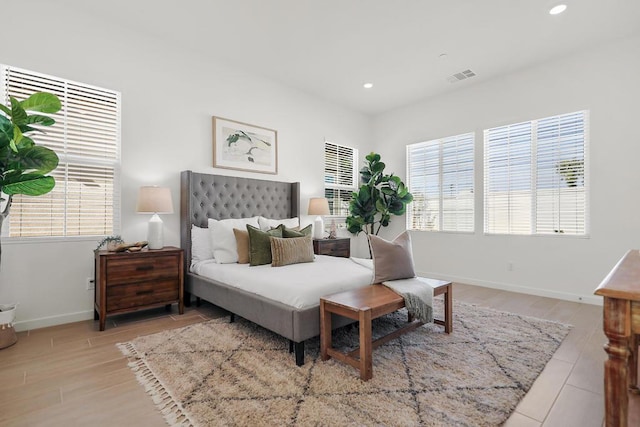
[297, 285]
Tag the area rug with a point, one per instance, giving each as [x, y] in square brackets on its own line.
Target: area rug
[220, 373]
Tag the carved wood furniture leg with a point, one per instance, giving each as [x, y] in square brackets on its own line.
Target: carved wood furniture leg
[617, 325]
[366, 360]
[633, 364]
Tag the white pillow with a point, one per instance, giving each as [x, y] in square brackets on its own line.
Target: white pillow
[223, 241]
[200, 244]
[267, 224]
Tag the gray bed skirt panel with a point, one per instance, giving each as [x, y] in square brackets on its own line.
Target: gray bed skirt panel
[269, 314]
[293, 324]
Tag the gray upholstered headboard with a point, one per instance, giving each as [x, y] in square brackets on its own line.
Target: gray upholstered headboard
[204, 196]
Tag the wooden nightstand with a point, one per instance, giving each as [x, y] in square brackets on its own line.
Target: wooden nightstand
[130, 281]
[334, 247]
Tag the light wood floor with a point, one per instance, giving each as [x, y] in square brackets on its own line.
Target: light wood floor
[74, 375]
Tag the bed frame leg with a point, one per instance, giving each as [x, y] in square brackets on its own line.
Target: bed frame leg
[290, 346]
[198, 301]
[187, 299]
[299, 351]
[232, 318]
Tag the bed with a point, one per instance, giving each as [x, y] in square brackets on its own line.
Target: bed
[205, 196]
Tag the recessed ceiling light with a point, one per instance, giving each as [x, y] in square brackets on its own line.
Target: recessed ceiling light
[367, 85]
[556, 10]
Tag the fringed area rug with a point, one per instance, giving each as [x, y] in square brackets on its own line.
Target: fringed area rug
[220, 373]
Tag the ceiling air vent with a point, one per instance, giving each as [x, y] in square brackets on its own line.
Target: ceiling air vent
[461, 76]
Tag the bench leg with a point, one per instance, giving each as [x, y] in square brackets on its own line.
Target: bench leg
[325, 331]
[448, 309]
[366, 361]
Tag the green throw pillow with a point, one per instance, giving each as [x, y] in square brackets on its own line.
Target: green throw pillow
[287, 232]
[260, 245]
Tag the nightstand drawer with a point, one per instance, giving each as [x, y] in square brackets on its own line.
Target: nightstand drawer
[332, 247]
[141, 294]
[130, 269]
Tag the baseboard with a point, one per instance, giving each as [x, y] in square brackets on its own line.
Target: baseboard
[43, 322]
[589, 299]
[61, 319]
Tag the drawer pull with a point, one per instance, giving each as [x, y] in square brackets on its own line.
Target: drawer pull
[144, 268]
[148, 291]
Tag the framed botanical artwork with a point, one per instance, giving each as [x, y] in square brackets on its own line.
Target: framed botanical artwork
[245, 147]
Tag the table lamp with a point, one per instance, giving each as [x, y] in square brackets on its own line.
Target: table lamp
[318, 206]
[155, 200]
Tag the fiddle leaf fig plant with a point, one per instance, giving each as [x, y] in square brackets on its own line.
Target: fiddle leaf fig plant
[378, 197]
[23, 164]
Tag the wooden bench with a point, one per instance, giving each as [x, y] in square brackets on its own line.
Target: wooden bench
[364, 305]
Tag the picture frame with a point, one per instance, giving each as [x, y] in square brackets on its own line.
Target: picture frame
[244, 147]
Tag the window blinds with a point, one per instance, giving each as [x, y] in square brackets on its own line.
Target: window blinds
[86, 137]
[441, 179]
[339, 176]
[536, 176]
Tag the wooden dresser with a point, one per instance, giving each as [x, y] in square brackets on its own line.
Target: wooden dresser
[621, 316]
[130, 281]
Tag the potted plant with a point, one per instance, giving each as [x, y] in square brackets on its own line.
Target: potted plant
[23, 168]
[571, 171]
[379, 197]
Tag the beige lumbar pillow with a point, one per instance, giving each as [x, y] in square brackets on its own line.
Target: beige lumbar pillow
[392, 260]
[291, 250]
[242, 243]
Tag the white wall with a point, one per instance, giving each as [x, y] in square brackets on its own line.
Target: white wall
[603, 80]
[168, 98]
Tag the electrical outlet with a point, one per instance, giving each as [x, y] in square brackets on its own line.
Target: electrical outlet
[90, 284]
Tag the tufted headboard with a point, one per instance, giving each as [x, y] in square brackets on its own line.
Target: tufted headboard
[204, 196]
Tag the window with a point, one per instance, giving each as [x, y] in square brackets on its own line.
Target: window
[86, 137]
[536, 176]
[339, 177]
[441, 181]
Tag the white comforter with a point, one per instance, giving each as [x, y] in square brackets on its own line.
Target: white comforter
[297, 285]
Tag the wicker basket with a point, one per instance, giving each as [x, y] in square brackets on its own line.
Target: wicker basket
[8, 335]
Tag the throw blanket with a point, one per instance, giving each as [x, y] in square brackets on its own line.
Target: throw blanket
[418, 296]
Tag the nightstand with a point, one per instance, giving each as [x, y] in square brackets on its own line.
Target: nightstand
[130, 281]
[333, 247]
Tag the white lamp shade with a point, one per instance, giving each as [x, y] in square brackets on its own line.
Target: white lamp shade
[154, 200]
[318, 206]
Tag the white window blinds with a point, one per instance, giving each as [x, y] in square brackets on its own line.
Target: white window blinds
[536, 176]
[86, 137]
[441, 179]
[339, 176]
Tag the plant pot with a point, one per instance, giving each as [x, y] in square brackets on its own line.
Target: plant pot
[8, 335]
